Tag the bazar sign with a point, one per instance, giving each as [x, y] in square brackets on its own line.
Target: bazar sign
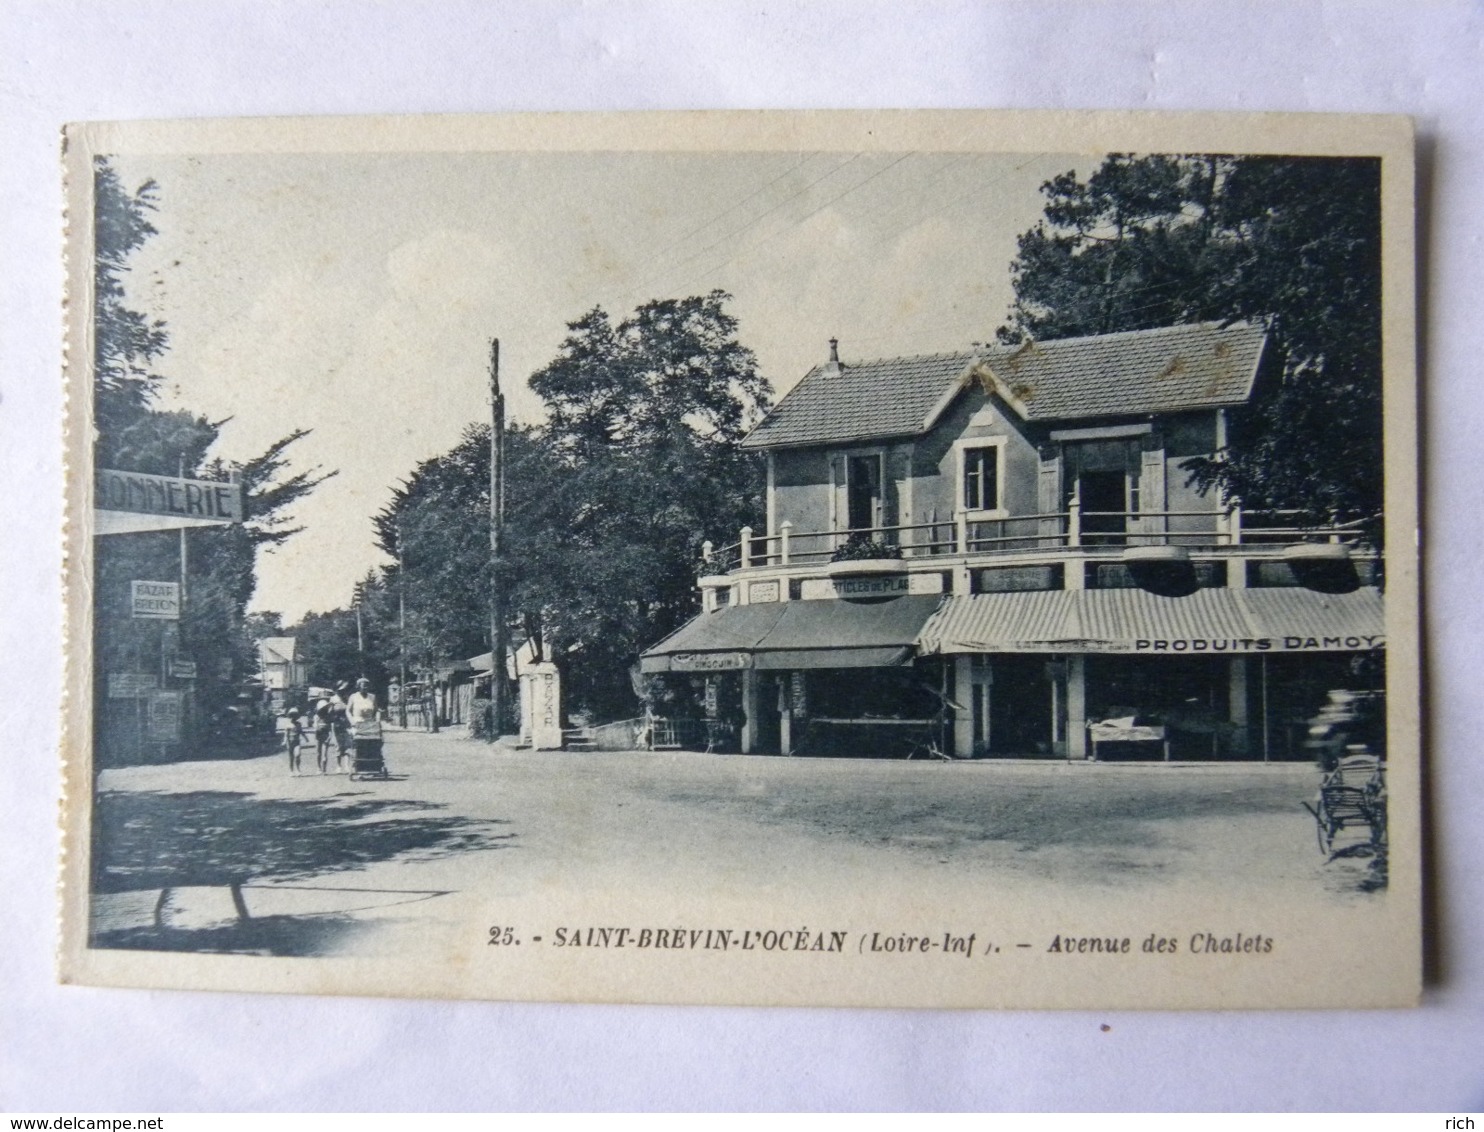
[1352, 642]
[159, 601]
[709, 661]
[140, 493]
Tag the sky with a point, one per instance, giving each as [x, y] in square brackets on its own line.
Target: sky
[355, 295]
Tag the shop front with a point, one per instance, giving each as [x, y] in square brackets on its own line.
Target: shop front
[816, 677]
[1127, 674]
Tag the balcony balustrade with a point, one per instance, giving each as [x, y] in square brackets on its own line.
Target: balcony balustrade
[1055, 535]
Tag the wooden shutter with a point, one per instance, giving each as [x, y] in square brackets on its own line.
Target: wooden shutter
[1049, 491]
[1152, 494]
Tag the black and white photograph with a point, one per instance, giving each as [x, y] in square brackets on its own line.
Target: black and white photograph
[939, 559]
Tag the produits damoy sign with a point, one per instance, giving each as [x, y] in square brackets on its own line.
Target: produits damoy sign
[1353, 642]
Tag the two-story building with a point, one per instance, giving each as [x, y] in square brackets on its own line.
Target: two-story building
[1001, 552]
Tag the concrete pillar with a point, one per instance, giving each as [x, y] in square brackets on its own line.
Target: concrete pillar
[963, 719]
[749, 711]
[785, 730]
[546, 703]
[1240, 731]
[1076, 707]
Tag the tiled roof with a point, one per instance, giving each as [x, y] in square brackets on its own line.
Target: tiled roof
[279, 650]
[1199, 366]
[885, 397]
[1164, 370]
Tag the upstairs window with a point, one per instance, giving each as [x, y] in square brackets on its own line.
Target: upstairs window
[863, 496]
[980, 477]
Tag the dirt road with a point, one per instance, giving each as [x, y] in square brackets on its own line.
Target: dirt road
[239, 856]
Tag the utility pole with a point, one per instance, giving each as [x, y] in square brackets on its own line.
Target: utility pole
[498, 643]
[401, 631]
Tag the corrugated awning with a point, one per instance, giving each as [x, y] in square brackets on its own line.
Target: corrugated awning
[1136, 621]
[795, 635]
[846, 634]
[716, 641]
[1326, 617]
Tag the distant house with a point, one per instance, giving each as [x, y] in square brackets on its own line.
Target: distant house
[280, 669]
[999, 552]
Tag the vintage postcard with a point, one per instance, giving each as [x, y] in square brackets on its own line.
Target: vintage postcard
[936, 559]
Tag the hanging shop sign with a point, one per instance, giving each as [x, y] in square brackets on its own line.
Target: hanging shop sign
[761, 593]
[709, 661]
[126, 502]
[163, 717]
[155, 601]
[183, 669]
[131, 685]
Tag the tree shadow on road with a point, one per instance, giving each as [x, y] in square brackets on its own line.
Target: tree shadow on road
[155, 841]
[212, 837]
[294, 936]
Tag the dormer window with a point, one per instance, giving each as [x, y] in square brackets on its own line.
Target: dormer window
[981, 476]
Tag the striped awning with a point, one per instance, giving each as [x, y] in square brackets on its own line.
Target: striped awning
[792, 635]
[1136, 621]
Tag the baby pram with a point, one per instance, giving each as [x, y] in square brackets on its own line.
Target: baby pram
[368, 761]
[1352, 796]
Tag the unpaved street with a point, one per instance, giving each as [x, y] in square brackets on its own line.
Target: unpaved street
[239, 856]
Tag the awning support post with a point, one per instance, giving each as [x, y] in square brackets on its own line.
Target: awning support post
[749, 710]
[1076, 707]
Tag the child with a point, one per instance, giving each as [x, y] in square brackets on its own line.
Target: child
[293, 737]
[322, 734]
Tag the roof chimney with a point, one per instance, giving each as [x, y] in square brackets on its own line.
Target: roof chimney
[833, 366]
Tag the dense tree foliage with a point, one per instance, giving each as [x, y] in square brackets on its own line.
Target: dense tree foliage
[1290, 243]
[607, 501]
[645, 420]
[132, 435]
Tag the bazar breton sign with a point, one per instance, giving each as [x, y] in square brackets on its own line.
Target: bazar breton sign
[159, 601]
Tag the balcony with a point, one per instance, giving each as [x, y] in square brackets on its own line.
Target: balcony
[1059, 537]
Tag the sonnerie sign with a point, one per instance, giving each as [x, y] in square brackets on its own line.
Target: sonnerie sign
[201, 500]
